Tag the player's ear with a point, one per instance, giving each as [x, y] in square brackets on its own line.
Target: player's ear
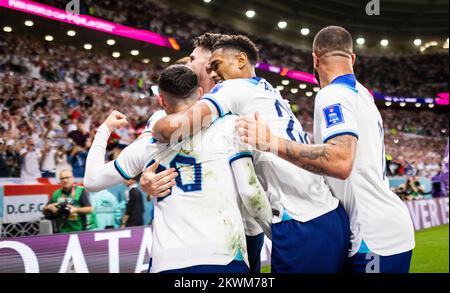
[161, 101]
[315, 60]
[242, 60]
[353, 59]
[200, 92]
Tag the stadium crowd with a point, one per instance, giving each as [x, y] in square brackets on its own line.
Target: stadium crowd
[51, 105]
[391, 75]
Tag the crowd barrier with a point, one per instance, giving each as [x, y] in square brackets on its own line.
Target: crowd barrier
[22, 202]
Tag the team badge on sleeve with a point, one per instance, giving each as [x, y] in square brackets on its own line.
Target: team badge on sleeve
[333, 115]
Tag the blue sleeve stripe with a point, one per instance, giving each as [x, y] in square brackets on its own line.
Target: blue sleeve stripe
[121, 171]
[216, 104]
[241, 156]
[340, 133]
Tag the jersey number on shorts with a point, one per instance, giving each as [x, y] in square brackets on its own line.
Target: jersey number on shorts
[302, 137]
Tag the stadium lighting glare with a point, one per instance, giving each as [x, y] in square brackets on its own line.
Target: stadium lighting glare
[402, 104]
[316, 89]
[87, 46]
[282, 24]
[305, 31]
[116, 54]
[71, 33]
[431, 106]
[165, 59]
[303, 86]
[49, 38]
[309, 94]
[294, 90]
[444, 131]
[285, 82]
[384, 43]
[134, 52]
[418, 105]
[360, 41]
[7, 29]
[417, 42]
[250, 13]
[207, 1]
[280, 88]
[29, 23]
[388, 104]
[146, 60]
[445, 46]
[111, 42]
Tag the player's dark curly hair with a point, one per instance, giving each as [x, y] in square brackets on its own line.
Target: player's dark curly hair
[179, 81]
[207, 40]
[240, 43]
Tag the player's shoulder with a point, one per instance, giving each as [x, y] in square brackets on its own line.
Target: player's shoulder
[339, 92]
[226, 121]
[232, 84]
[144, 144]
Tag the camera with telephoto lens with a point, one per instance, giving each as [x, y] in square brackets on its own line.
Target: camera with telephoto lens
[64, 210]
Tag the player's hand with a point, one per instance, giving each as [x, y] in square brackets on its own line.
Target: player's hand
[255, 132]
[158, 185]
[116, 120]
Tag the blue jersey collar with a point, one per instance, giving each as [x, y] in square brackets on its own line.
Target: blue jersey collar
[347, 79]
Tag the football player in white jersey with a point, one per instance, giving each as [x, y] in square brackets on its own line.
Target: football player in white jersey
[198, 227]
[198, 60]
[156, 184]
[349, 134]
[310, 231]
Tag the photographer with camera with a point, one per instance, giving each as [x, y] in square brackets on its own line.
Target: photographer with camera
[69, 205]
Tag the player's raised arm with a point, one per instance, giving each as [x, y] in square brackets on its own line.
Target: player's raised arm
[176, 127]
[251, 192]
[99, 175]
[335, 158]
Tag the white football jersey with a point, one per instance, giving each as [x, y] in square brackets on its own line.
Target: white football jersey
[377, 215]
[293, 192]
[200, 222]
[153, 119]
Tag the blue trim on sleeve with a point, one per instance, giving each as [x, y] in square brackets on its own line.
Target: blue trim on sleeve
[240, 156]
[340, 133]
[216, 104]
[121, 171]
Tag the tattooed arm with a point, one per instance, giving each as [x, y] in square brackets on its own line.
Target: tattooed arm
[334, 159]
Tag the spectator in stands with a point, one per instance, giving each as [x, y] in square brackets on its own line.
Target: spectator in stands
[30, 158]
[48, 160]
[69, 205]
[134, 214]
[77, 159]
[411, 190]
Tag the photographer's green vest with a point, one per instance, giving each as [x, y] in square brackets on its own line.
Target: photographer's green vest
[75, 222]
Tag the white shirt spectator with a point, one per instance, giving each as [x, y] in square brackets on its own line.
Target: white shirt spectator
[30, 165]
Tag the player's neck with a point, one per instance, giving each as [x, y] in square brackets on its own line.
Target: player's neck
[328, 76]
